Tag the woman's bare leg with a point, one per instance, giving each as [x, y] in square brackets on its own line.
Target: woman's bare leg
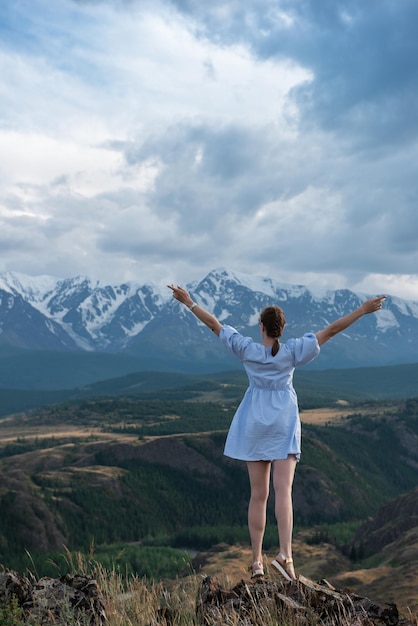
[283, 474]
[259, 474]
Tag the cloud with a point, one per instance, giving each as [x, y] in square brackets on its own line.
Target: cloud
[153, 138]
[361, 56]
[265, 197]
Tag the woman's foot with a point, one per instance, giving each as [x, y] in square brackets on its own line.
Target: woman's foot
[284, 565]
[256, 569]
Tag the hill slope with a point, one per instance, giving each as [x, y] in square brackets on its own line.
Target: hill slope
[124, 471]
[315, 388]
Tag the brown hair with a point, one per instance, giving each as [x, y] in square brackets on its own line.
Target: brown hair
[272, 317]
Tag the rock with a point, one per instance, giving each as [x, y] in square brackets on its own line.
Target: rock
[58, 601]
[13, 585]
[250, 603]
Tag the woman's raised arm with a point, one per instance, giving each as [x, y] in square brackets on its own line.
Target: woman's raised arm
[370, 306]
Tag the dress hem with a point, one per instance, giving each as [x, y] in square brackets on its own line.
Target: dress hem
[277, 458]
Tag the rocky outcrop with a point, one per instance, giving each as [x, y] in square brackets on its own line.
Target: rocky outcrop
[76, 600]
[303, 602]
[58, 601]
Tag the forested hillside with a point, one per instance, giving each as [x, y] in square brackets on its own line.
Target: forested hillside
[122, 470]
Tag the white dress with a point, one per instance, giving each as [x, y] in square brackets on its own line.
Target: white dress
[266, 425]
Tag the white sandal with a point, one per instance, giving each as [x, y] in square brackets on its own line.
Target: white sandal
[285, 566]
[256, 569]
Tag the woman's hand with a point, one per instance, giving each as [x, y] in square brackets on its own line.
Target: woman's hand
[372, 305]
[181, 295]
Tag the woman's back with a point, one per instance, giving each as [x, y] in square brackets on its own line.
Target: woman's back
[263, 369]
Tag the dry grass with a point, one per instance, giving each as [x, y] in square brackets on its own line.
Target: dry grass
[341, 410]
[132, 601]
[28, 432]
[323, 416]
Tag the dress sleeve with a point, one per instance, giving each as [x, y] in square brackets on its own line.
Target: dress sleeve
[234, 342]
[304, 349]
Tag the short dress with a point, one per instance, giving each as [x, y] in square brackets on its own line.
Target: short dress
[266, 425]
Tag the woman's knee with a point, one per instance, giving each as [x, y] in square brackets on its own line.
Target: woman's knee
[259, 495]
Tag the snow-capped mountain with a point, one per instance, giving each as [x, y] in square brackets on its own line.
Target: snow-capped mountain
[47, 313]
[92, 316]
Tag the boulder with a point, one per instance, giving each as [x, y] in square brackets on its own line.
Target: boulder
[59, 601]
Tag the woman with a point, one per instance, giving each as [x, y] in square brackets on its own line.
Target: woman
[265, 431]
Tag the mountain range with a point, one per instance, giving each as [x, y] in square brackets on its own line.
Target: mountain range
[142, 321]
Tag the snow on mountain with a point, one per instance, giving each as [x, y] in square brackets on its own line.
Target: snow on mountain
[386, 320]
[31, 288]
[406, 307]
[94, 315]
[23, 326]
[268, 286]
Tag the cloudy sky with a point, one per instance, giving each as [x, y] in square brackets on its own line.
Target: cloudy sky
[157, 140]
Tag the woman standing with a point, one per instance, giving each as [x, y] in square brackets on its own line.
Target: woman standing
[266, 431]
